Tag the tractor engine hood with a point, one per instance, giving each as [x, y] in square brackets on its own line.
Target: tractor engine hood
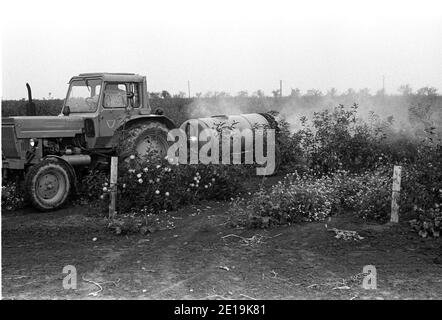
[45, 126]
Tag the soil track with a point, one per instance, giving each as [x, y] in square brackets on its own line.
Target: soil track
[194, 261]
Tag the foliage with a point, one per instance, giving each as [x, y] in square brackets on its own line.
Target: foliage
[157, 185]
[368, 193]
[312, 197]
[429, 223]
[290, 150]
[339, 140]
[12, 196]
[90, 187]
[344, 163]
[422, 179]
[148, 188]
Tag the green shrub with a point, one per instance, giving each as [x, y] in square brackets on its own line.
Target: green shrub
[290, 150]
[90, 187]
[12, 196]
[146, 189]
[429, 222]
[334, 139]
[341, 140]
[294, 199]
[158, 185]
[313, 197]
[422, 179]
[368, 193]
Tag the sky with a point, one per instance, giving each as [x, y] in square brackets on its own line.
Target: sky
[222, 45]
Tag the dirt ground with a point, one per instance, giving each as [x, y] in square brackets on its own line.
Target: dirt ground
[200, 257]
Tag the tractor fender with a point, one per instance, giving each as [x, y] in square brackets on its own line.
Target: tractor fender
[69, 166]
[152, 118]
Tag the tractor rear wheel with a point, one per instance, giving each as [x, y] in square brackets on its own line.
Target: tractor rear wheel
[48, 184]
[144, 140]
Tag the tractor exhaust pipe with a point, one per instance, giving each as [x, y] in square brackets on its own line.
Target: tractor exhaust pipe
[30, 106]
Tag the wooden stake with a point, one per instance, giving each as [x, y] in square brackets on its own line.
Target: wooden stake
[395, 194]
[113, 186]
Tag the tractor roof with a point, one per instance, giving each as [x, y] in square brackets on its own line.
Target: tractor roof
[107, 76]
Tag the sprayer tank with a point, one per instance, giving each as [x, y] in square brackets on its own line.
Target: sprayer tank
[238, 122]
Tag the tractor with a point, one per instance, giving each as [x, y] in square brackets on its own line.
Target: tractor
[103, 115]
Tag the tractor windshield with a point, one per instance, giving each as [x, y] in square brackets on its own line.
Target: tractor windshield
[83, 95]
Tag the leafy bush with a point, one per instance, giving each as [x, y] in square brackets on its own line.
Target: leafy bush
[294, 199]
[90, 187]
[429, 223]
[333, 140]
[290, 150]
[312, 197]
[146, 189]
[368, 193]
[12, 196]
[338, 139]
[157, 185]
[422, 179]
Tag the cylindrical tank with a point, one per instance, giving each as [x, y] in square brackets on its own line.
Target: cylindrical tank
[239, 122]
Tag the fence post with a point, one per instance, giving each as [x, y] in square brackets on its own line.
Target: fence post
[395, 194]
[113, 186]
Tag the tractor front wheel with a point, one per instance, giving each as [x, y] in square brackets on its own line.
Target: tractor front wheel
[48, 184]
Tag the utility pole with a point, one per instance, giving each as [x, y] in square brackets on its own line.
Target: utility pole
[280, 88]
[188, 87]
[383, 84]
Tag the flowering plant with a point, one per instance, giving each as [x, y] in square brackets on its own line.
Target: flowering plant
[313, 197]
[156, 185]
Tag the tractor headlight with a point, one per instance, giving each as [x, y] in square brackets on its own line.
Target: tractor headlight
[33, 142]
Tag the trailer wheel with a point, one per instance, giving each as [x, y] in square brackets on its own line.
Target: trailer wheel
[145, 140]
[48, 184]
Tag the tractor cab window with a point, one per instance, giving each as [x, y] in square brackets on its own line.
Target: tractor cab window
[121, 95]
[83, 95]
[115, 95]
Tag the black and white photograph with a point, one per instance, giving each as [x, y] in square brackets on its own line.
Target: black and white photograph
[222, 156]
